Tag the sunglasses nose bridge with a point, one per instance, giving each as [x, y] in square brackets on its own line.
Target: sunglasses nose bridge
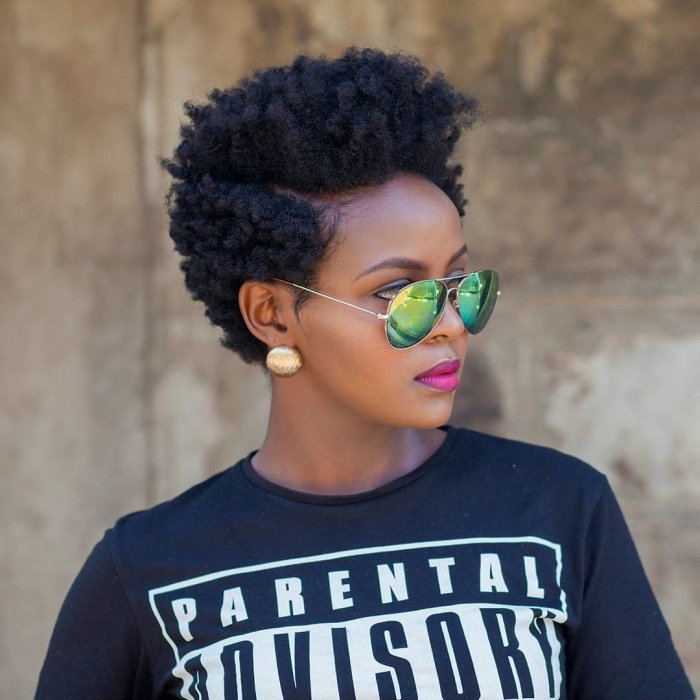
[443, 315]
[455, 305]
[455, 302]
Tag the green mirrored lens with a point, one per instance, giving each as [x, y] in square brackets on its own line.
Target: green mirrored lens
[477, 296]
[413, 313]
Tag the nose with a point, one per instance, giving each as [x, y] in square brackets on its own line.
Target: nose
[450, 324]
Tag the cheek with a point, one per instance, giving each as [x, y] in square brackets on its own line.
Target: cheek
[353, 353]
[350, 363]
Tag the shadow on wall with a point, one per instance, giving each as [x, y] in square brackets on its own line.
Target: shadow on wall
[478, 402]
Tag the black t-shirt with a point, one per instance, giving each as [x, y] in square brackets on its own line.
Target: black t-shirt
[496, 569]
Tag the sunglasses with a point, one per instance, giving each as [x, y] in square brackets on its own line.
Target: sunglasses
[416, 309]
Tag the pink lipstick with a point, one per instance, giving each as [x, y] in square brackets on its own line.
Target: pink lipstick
[442, 376]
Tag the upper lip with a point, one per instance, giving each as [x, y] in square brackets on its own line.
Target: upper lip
[444, 367]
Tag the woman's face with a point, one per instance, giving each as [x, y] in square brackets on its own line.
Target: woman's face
[346, 355]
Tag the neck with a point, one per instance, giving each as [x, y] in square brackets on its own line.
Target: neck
[317, 446]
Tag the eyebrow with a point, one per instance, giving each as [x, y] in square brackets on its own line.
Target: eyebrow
[407, 263]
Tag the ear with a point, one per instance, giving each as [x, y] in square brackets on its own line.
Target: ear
[267, 311]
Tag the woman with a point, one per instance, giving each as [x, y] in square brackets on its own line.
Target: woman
[367, 549]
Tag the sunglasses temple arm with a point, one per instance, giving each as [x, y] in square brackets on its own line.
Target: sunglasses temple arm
[382, 316]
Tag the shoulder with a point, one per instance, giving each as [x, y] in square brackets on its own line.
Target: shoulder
[507, 460]
[171, 521]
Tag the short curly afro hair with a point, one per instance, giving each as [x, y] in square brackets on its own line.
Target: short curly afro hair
[259, 168]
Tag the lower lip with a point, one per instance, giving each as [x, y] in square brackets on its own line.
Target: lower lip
[441, 382]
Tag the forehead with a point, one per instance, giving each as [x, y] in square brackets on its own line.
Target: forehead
[408, 216]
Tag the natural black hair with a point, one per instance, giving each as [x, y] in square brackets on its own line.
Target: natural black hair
[263, 169]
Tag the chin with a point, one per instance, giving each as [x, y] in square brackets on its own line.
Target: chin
[427, 417]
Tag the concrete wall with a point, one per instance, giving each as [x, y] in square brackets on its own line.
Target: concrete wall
[583, 194]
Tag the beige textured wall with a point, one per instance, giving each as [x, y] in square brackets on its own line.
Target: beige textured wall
[583, 194]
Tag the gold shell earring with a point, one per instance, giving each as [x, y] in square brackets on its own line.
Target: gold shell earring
[283, 361]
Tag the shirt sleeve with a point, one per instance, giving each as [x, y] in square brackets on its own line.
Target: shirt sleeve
[622, 649]
[95, 651]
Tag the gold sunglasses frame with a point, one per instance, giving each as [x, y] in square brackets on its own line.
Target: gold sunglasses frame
[385, 316]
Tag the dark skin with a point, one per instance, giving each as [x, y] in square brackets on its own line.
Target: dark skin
[353, 417]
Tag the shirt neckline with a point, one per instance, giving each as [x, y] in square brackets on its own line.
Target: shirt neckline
[339, 499]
